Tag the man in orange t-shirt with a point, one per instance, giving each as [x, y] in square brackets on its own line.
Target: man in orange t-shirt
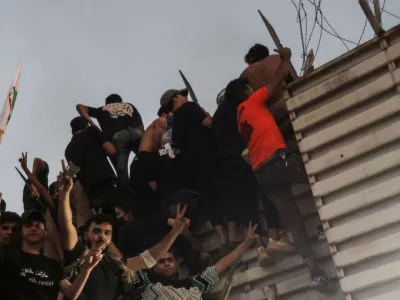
[275, 167]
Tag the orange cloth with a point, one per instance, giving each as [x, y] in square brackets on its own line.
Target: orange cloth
[258, 128]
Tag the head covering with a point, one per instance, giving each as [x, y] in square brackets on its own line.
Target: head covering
[32, 215]
[220, 97]
[169, 94]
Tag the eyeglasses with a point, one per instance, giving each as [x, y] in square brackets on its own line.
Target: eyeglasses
[9, 227]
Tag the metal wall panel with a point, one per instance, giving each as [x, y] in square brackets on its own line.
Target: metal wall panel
[347, 123]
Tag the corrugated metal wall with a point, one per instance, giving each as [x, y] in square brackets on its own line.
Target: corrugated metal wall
[347, 123]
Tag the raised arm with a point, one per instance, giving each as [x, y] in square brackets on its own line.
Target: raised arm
[224, 263]
[74, 289]
[84, 112]
[149, 258]
[68, 234]
[41, 189]
[280, 76]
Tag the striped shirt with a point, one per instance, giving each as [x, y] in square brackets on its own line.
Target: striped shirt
[202, 284]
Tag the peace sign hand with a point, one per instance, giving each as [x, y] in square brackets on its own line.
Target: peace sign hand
[94, 256]
[180, 223]
[251, 235]
[66, 181]
[24, 161]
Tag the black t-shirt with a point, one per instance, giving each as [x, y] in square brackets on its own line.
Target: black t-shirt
[114, 117]
[104, 280]
[85, 151]
[26, 276]
[32, 203]
[170, 173]
[137, 236]
[188, 133]
[225, 130]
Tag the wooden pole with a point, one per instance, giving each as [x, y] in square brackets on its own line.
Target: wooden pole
[1, 135]
[189, 88]
[371, 17]
[378, 14]
[277, 42]
[309, 67]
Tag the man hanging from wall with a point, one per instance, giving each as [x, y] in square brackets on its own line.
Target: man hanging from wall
[275, 166]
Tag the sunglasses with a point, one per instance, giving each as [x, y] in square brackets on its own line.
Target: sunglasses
[8, 227]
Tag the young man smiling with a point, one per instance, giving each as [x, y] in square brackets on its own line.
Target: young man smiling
[27, 274]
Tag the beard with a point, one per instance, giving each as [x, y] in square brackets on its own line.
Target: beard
[89, 244]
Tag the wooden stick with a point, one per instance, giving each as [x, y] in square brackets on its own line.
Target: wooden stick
[1, 135]
[189, 88]
[370, 16]
[277, 42]
[309, 67]
[378, 14]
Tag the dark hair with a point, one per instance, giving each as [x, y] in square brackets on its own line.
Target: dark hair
[78, 123]
[235, 92]
[113, 98]
[164, 110]
[99, 219]
[10, 217]
[256, 53]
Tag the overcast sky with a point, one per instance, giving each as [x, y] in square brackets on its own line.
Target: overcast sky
[79, 51]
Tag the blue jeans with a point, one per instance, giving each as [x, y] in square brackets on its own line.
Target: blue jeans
[125, 141]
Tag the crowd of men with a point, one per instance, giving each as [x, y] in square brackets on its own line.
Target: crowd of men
[94, 234]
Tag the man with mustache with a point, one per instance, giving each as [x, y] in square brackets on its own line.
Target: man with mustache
[112, 273]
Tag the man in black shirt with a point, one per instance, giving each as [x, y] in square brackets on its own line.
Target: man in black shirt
[107, 279]
[88, 149]
[191, 134]
[10, 228]
[27, 274]
[122, 124]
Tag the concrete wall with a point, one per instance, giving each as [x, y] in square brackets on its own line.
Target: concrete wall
[347, 123]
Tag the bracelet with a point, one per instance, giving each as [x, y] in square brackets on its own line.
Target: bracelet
[148, 259]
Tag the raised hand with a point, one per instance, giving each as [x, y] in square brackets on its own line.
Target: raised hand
[24, 161]
[94, 256]
[66, 182]
[284, 53]
[180, 223]
[251, 235]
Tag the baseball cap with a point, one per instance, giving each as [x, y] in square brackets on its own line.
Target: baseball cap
[32, 215]
[168, 95]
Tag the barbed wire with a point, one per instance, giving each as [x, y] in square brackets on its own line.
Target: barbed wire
[387, 12]
[363, 32]
[325, 27]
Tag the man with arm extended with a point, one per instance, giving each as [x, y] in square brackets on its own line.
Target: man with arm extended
[106, 280]
[275, 167]
[122, 124]
[162, 281]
